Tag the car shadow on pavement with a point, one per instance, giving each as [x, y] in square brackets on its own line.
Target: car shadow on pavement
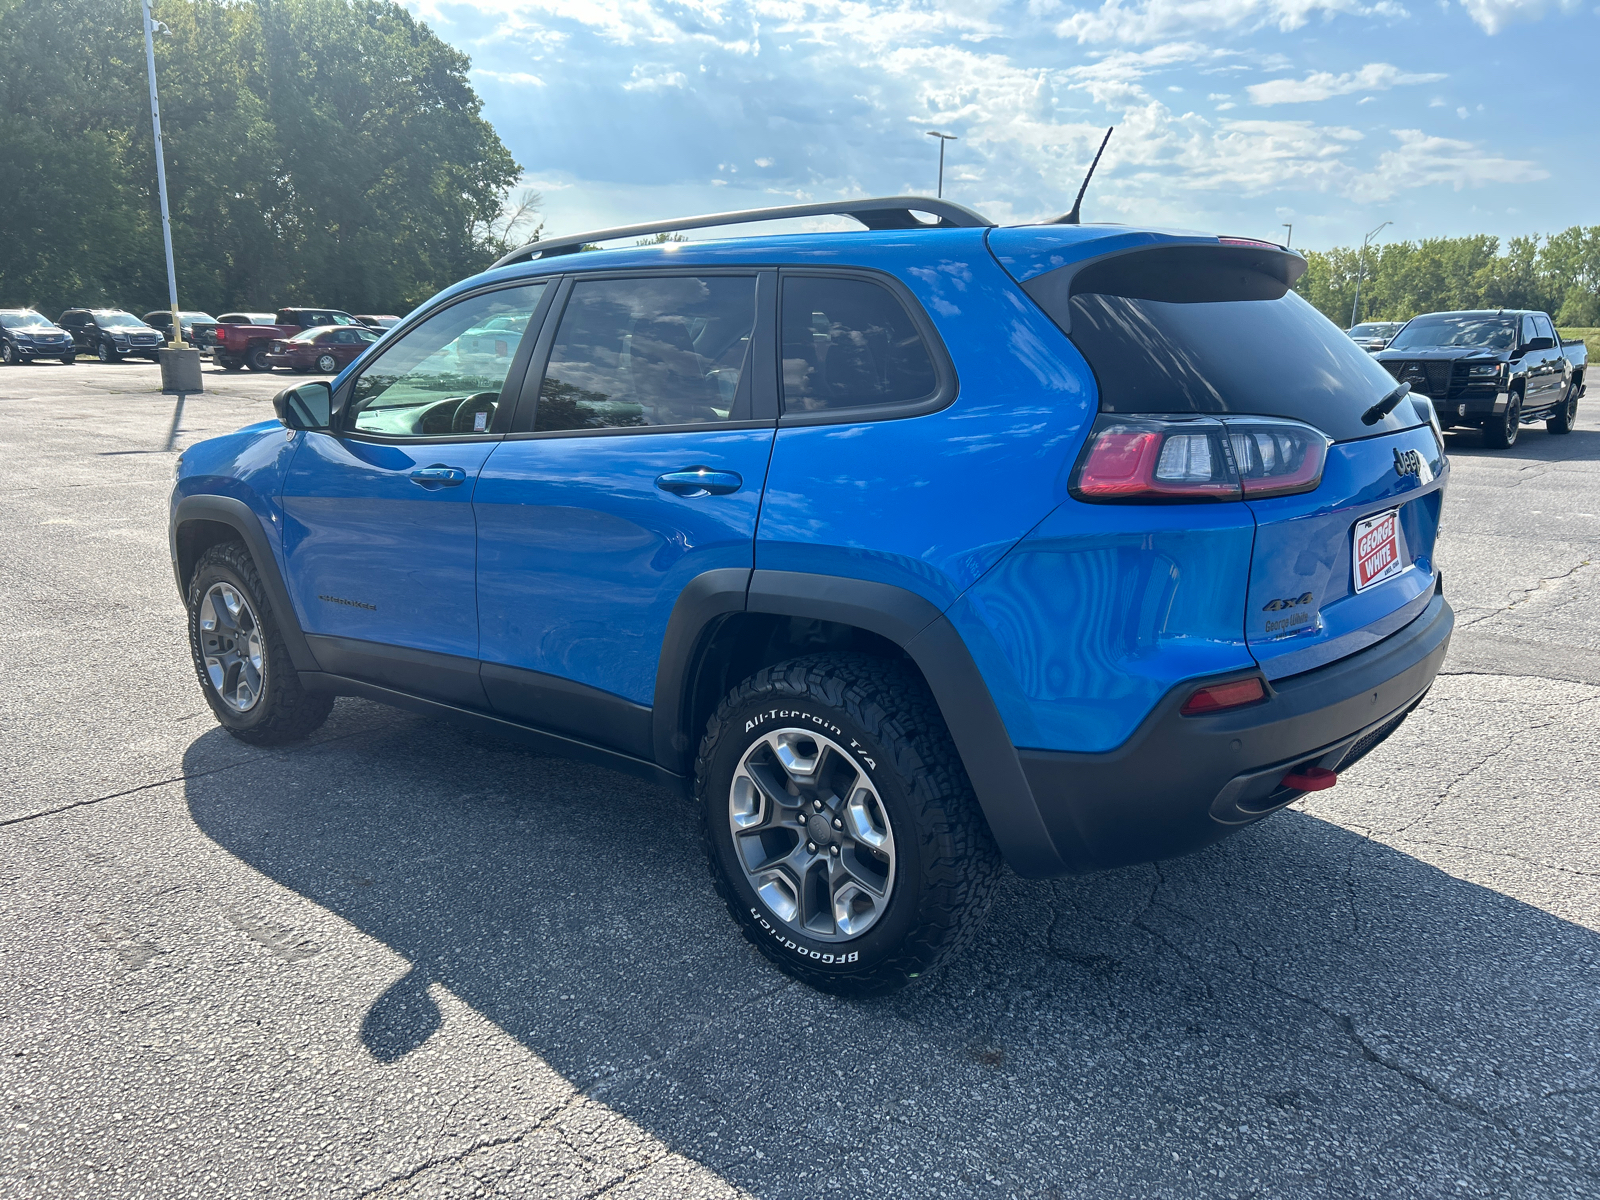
[1296, 1011]
[1581, 445]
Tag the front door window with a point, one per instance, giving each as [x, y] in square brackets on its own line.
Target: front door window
[445, 376]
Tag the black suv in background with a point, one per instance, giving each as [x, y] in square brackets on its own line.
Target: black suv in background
[1496, 370]
[110, 334]
[162, 319]
[26, 335]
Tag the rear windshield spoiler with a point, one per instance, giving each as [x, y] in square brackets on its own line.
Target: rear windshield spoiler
[1172, 274]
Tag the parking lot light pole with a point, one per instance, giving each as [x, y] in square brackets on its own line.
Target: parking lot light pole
[1361, 269]
[943, 138]
[177, 342]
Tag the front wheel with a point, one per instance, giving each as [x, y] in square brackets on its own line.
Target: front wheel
[9, 353]
[840, 825]
[106, 354]
[239, 653]
[1500, 433]
[1566, 414]
[68, 359]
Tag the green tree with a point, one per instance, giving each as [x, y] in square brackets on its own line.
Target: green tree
[320, 151]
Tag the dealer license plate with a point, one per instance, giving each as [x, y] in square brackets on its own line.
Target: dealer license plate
[1375, 548]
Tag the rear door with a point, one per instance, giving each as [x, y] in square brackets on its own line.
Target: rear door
[637, 464]
[380, 544]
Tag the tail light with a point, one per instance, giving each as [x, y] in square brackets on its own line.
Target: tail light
[1174, 460]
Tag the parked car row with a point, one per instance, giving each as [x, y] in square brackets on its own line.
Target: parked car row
[259, 341]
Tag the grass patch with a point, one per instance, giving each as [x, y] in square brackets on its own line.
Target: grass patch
[1591, 336]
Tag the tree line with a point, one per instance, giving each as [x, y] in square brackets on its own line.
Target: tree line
[1558, 274]
[326, 152]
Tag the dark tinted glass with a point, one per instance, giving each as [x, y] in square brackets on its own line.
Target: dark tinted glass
[1231, 340]
[1486, 331]
[849, 343]
[668, 350]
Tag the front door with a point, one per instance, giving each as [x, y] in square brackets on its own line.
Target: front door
[640, 467]
[379, 540]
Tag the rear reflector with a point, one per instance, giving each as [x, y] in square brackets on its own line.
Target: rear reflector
[1309, 779]
[1219, 696]
[1167, 460]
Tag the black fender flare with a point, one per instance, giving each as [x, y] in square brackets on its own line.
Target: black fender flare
[237, 515]
[901, 617]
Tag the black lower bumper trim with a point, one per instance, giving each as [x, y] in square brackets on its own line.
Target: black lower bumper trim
[1180, 783]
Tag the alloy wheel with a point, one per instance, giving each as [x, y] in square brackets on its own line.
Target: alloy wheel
[812, 835]
[327, 364]
[231, 643]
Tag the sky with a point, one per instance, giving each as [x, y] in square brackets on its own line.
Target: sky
[1446, 117]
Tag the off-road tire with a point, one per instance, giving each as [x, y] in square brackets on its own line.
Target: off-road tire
[256, 358]
[1561, 421]
[1500, 431]
[285, 712]
[946, 861]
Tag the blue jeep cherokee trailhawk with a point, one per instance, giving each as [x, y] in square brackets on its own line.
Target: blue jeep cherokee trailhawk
[905, 550]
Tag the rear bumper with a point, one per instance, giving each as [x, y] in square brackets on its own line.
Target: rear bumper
[1180, 783]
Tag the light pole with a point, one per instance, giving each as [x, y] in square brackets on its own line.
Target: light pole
[150, 26]
[943, 138]
[1289, 237]
[1361, 268]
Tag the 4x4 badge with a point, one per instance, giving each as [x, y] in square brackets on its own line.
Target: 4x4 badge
[1288, 602]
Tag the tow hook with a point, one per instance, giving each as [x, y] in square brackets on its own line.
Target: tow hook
[1311, 779]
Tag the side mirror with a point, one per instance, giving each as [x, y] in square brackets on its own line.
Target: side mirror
[309, 406]
[1539, 343]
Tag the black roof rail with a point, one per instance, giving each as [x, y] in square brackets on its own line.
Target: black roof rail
[884, 212]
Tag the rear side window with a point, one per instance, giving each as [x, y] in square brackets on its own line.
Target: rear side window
[849, 343]
[1196, 329]
[658, 350]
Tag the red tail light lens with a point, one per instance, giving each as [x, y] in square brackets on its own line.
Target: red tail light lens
[1165, 460]
[1219, 696]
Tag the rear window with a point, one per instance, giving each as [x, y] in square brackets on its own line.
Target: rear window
[1196, 329]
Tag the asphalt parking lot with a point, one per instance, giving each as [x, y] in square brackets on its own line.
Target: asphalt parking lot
[402, 960]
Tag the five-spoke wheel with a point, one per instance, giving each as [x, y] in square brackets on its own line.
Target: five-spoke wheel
[230, 639]
[811, 834]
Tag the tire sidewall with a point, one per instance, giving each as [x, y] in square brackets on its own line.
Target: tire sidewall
[211, 572]
[792, 950]
[332, 364]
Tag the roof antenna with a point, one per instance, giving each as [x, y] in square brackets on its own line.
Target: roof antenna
[1072, 217]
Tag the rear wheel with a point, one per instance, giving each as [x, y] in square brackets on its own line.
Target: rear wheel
[1561, 421]
[256, 358]
[840, 825]
[1500, 432]
[228, 363]
[239, 654]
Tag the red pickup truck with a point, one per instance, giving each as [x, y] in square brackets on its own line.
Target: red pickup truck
[247, 345]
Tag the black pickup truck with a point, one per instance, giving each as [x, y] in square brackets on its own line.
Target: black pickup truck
[1495, 370]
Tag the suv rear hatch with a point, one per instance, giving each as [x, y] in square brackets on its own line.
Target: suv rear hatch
[1205, 337]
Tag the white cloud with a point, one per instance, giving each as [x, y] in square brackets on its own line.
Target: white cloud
[1495, 15]
[1427, 161]
[1156, 20]
[520, 78]
[1321, 85]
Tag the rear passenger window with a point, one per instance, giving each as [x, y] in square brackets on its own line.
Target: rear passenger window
[668, 350]
[849, 343]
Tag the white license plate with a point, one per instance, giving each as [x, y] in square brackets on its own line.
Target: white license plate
[1375, 549]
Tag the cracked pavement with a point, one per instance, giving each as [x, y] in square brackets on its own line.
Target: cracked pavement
[400, 960]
